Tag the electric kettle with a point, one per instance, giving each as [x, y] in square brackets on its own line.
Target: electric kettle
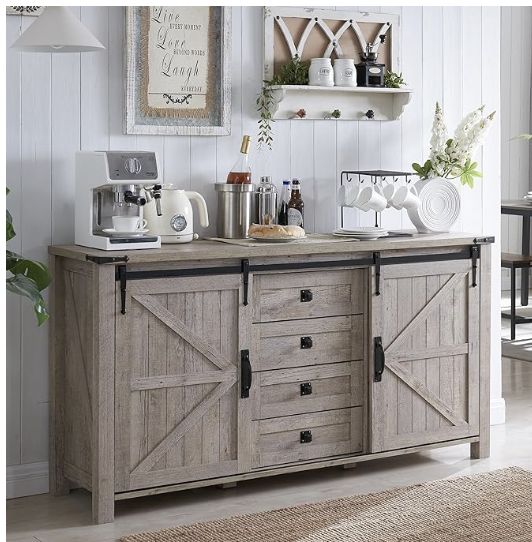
[175, 224]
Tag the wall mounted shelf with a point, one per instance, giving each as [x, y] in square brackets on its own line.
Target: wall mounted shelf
[353, 102]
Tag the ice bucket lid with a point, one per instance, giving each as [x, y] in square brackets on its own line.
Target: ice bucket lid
[225, 187]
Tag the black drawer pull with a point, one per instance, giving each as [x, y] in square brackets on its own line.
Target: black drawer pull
[306, 296]
[305, 437]
[306, 388]
[306, 343]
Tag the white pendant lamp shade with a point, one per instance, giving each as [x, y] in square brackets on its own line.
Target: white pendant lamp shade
[57, 30]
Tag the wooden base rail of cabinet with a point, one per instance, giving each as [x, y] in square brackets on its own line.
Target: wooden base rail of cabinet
[303, 466]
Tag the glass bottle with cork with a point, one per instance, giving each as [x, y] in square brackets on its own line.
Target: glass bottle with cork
[241, 172]
[296, 206]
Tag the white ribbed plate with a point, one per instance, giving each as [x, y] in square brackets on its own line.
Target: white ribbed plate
[439, 206]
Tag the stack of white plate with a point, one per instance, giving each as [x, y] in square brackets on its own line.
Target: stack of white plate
[528, 197]
[366, 233]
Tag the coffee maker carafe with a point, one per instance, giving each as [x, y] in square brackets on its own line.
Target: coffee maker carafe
[109, 191]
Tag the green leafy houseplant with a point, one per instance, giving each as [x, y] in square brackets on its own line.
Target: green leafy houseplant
[294, 72]
[393, 80]
[27, 277]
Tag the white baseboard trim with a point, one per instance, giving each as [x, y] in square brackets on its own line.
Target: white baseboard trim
[498, 411]
[28, 479]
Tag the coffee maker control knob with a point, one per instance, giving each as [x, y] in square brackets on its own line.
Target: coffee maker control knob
[133, 166]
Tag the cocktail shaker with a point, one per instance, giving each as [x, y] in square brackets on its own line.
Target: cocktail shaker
[266, 202]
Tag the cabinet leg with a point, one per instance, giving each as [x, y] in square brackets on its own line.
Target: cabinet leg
[227, 485]
[480, 450]
[103, 508]
[349, 466]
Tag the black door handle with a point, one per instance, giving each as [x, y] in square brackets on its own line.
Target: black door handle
[305, 437]
[379, 358]
[246, 375]
[306, 296]
[306, 342]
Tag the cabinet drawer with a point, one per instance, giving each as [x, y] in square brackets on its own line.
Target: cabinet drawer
[308, 389]
[308, 342]
[308, 436]
[289, 296]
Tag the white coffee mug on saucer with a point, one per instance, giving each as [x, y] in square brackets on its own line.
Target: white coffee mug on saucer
[371, 198]
[128, 223]
[406, 197]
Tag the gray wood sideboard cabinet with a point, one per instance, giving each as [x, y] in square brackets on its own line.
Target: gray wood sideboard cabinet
[168, 375]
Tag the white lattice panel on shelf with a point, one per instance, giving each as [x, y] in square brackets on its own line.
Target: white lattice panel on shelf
[310, 32]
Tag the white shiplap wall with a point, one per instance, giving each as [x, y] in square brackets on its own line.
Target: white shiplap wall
[58, 104]
[516, 173]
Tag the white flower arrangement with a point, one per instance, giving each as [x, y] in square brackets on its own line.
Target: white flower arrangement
[452, 158]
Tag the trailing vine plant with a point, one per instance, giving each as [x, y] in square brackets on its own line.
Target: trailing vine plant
[294, 72]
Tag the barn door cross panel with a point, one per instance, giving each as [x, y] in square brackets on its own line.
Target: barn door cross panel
[429, 327]
[176, 381]
[310, 33]
[224, 378]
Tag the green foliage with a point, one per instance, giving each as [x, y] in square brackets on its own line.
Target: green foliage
[265, 102]
[393, 80]
[294, 72]
[28, 278]
[336, 114]
[422, 170]
[468, 173]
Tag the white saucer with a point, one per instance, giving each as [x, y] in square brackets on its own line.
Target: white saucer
[114, 233]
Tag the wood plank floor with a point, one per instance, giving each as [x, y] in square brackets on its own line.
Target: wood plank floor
[46, 519]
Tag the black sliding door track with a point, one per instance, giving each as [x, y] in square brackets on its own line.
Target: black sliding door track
[245, 268]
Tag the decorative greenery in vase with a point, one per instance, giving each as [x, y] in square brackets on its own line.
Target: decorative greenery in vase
[294, 72]
[452, 158]
[28, 278]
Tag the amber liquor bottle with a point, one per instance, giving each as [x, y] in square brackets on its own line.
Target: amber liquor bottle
[296, 206]
[241, 172]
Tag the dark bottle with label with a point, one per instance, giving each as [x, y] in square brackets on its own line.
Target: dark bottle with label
[295, 205]
[283, 204]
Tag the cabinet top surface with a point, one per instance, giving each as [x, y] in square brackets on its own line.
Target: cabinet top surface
[215, 250]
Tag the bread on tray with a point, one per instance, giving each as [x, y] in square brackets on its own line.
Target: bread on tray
[275, 231]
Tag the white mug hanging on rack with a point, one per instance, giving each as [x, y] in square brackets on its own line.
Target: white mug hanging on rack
[371, 199]
[406, 197]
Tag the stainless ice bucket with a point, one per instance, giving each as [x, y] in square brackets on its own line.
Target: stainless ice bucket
[236, 209]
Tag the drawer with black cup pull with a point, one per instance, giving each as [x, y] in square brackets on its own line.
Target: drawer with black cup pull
[301, 390]
[308, 342]
[309, 436]
[312, 294]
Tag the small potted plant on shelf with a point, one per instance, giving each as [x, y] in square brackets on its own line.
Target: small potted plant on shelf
[294, 72]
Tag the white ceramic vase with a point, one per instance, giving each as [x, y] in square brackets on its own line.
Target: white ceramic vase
[439, 206]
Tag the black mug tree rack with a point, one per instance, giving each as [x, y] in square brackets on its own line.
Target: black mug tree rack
[375, 176]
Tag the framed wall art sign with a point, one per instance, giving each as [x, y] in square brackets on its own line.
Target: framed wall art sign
[178, 79]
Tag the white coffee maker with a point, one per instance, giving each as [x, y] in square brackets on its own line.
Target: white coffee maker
[111, 184]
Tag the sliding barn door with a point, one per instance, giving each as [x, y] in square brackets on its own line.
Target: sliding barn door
[425, 329]
[177, 372]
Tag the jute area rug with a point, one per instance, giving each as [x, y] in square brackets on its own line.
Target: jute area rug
[492, 507]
